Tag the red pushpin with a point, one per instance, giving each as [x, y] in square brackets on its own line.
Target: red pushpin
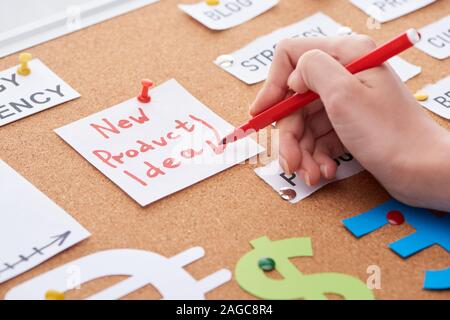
[146, 85]
[395, 217]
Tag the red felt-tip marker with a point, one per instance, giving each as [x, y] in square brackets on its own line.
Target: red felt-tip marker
[372, 59]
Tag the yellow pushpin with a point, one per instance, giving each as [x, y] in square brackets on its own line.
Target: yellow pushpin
[212, 2]
[421, 96]
[54, 295]
[23, 69]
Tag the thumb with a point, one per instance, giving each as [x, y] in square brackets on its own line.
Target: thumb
[324, 75]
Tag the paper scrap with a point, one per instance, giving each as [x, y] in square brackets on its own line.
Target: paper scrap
[251, 64]
[387, 10]
[32, 227]
[167, 275]
[404, 69]
[438, 98]
[430, 229]
[228, 13]
[155, 149]
[274, 176]
[22, 96]
[293, 284]
[437, 279]
[436, 39]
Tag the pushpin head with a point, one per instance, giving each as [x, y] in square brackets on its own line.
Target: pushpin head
[54, 295]
[212, 2]
[266, 264]
[144, 97]
[421, 96]
[23, 69]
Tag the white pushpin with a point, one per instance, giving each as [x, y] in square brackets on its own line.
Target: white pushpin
[225, 60]
[344, 31]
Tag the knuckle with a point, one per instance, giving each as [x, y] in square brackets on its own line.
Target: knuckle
[351, 45]
[310, 56]
[364, 42]
[284, 45]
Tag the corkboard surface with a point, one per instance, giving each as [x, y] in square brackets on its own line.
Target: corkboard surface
[105, 63]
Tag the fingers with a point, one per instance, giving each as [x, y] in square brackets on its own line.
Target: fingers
[328, 78]
[286, 55]
[290, 133]
[343, 49]
[285, 61]
[319, 124]
[327, 148]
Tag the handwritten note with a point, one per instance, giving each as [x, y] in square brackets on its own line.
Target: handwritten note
[152, 150]
[251, 63]
[274, 176]
[32, 227]
[387, 10]
[22, 96]
[436, 39]
[439, 98]
[228, 13]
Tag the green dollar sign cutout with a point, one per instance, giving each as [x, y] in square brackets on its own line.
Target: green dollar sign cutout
[294, 284]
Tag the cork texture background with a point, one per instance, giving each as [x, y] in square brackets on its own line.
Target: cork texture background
[105, 63]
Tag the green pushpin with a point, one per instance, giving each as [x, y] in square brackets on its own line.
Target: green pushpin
[266, 264]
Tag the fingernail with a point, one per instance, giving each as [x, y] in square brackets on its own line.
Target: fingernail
[284, 165]
[290, 79]
[307, 181]
[324, 170]
[304, 175]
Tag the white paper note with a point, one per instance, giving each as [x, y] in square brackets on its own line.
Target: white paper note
[436, 39]
[404, 69]
[251, 63]
[167, 275]
[387, 10]
[22, 96]
[228, 13]
[32, 227]
[155, 149]
[274, 176]
[439, 98]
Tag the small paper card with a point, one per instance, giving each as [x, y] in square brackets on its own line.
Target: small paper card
[22, 96]
[404, 69]
[151, 150]
[439, 98]
[32, 227]
[274, 176]
[251, 64]
[436, 39]
[387, 10]
[228, 13]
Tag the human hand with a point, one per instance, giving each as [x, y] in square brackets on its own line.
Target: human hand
[371, 114]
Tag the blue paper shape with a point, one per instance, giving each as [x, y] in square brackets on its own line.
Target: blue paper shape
[430, 230]
[437, 279]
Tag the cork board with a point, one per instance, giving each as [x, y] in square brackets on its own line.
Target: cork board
[105, 63]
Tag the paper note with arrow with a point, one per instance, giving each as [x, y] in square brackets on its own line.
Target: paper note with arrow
[32, 227]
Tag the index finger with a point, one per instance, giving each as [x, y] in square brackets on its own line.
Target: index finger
[287, 53]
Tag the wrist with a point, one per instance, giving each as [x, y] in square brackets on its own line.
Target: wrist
[424, 179]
